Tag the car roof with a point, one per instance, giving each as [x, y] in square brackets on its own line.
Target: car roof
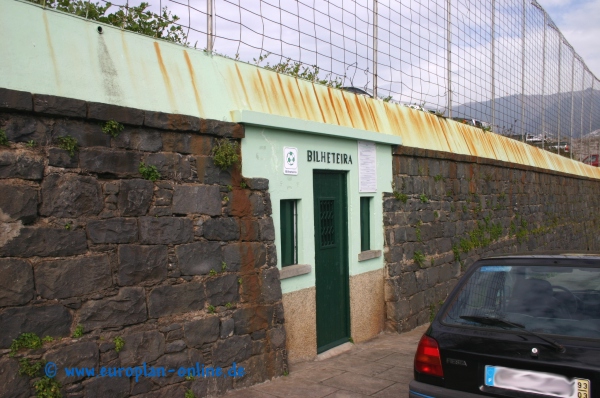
[556, 254]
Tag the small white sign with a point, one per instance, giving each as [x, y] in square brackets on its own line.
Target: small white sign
[290, 161]
[367, 167]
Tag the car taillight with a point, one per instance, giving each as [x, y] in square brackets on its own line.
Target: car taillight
[427, 358]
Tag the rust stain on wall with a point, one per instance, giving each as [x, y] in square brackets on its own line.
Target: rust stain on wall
[51, 49]
[194, 83]
[165, 76]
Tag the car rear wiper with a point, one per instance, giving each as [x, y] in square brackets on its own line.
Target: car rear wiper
[494, 321]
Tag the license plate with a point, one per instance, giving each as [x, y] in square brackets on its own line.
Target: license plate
[536, 382]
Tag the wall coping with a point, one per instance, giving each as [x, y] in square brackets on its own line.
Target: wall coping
[433, 154]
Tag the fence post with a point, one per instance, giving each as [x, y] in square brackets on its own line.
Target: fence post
[572, 101]
[449, 55]
[493, 64]
[375, 49]
[581, 113]
[209, 23]
[544, 82]
[559, 94]
[523, 72]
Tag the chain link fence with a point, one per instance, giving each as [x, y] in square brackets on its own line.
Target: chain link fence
[502, 65]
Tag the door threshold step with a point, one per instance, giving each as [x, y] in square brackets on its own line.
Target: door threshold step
[335, 351]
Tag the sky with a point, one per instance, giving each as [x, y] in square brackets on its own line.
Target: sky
[579, 21]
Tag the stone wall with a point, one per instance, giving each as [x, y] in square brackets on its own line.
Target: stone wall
[449, 210]
[182, 269]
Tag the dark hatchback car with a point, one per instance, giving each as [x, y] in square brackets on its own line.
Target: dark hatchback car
[516, 326]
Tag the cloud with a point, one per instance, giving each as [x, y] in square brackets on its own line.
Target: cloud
[578, 21]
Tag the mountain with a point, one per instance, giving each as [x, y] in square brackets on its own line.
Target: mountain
[508, 113]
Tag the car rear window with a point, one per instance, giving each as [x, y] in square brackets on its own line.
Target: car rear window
[550, 299]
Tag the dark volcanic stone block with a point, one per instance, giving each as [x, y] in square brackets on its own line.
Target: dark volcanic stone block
[171, 166]
[126, 308]
[165, 230]
[234, 349]
[71, 195]
[176, 299]
[61, 106]
[244, 256]
[24, 165]
[201, 199]
[117, 113]
[135, 197]
[16, 282]
[51, 320]
[45, 242]
[221, 229]
[270, 285]
[224, 289]
[110, 161]
[18, 100]
[24, 128]
[139, 139]
[13, 384]
[84, 132]
[113, 230]
[81, 355]
[142, 264]
[58, 279]
[201, 331]
[60, 158]
[142, 347]
[199, 258]
[18, 202]
[169, 121]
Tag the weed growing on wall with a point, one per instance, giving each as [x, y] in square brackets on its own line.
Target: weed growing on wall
[119, 343]
[301, 71]
[25, 340]
[78, 332]
[4, 138]
[419, 258]
[133, 18]
[47, 388]
[28, 368]
[225, 153]
[112, 128]
[149, 172]
[69, 144]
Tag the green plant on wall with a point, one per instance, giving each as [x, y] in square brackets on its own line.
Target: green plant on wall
[419, 258]
[47, 388]
[25, 340]
[3, 138]
[225, 153]
[78, 332]
[69, 144]
[299, 70]
[28, 368]
[119, 343]
[112, 128]
[149, 172]
[133, 18]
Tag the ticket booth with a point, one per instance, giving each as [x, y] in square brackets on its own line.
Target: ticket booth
[326, 185]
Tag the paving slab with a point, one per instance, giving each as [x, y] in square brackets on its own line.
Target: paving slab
[381, 367]
[358, 383]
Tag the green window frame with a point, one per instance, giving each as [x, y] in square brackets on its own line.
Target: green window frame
[365, 223]
[288, 211]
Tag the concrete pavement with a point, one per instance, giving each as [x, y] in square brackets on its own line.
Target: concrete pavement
[381, 367]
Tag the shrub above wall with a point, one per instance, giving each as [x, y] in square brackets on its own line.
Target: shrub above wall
[124, 243]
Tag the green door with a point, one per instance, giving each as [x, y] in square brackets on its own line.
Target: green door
[331, 259]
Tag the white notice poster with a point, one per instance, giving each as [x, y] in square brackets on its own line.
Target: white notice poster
[290, 161]
[367, 167]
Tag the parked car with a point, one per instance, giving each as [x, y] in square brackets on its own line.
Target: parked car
[591, 160]
[472, 122]
[516, 326]
[563, 146]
